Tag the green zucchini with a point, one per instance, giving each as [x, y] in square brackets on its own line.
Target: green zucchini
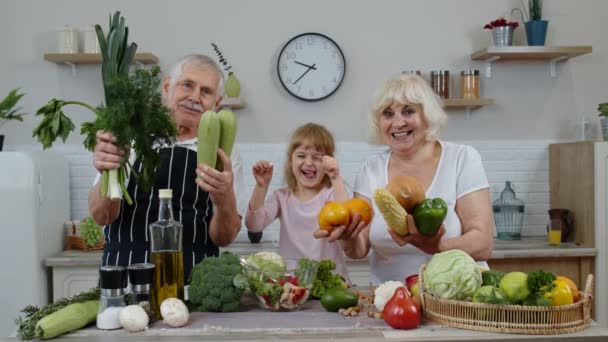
[71, 317]
[227, 133]
[208, 138]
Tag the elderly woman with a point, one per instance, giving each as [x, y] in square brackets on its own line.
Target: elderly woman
[407, 117]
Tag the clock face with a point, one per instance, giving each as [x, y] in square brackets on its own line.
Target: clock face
[311, 66]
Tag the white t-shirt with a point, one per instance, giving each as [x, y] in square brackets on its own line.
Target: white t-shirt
[242, 201]
[459, 172]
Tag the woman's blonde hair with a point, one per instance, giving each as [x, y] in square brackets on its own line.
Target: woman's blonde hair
[317, 136]
[408, 88]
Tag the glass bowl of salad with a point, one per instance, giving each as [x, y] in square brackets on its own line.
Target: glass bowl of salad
[284, 291]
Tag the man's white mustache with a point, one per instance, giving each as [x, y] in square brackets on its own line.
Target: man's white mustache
[191, 105]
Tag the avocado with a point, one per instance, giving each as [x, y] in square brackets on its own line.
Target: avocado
[338, 298]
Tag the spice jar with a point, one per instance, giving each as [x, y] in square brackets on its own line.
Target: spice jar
[112, 285]
[440, 82]
[469, 84]
[141, 278]
[411, 72]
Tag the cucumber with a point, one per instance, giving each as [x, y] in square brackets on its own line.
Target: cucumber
[227, 133]
[338, 298]
[208, 138]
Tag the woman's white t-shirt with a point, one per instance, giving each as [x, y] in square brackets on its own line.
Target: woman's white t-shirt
[459, 172]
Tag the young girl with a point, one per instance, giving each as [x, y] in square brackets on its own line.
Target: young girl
[313, 178]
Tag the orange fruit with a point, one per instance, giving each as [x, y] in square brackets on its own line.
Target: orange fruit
[575, 294]
[332, 215]
[361, 207]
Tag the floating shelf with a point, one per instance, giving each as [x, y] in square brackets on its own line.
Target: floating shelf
[468, 104]
[233, 102]
[553, 54]
[94, 58]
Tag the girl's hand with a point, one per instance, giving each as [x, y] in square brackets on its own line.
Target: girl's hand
[262, 172]
[426, 243]
[342, 232]
[330, 167]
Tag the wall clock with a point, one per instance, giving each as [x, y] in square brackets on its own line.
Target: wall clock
[311, 66]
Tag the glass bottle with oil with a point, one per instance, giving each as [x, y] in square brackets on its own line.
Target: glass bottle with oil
[166, 254]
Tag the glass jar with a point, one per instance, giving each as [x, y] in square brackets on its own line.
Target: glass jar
[469, 84]
[411, 72]
[112, 281]
[440, 82]
[508, 214]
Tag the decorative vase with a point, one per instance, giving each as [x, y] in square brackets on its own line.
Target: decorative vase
[233, 86]
[503, 35]
[604, 122]
[536, 32]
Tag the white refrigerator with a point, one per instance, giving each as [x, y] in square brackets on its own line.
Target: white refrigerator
[34, 203]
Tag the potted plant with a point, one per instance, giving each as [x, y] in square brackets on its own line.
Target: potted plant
[8, 111]
[603, 108]
[502, 31]
[536, 27]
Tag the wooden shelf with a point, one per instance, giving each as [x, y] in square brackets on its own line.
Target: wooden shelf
[94, 58]
[530, 52]
[552, 54]
[233, 102]
[467, 103]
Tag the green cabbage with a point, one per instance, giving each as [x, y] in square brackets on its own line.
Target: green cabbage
[270, 263]
[452, 274]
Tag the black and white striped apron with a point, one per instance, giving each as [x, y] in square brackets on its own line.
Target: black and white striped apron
[126, 239]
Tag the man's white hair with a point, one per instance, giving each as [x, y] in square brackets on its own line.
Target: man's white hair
[198, 61]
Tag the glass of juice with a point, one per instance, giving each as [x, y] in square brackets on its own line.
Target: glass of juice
[555, 236]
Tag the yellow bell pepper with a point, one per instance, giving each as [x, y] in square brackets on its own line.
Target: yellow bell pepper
[560, 294]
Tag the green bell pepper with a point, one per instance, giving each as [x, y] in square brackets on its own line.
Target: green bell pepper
[429, 215]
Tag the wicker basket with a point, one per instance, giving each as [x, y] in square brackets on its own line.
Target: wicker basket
[75, 242]
[513, 319]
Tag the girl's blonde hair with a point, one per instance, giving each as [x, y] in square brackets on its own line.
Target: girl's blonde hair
[408, 88]
[317, 136]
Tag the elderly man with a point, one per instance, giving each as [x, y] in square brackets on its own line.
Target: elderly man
[208, 212]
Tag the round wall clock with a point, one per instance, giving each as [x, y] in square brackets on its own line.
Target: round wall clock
[311, 66]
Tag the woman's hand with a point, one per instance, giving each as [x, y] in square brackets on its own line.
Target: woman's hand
[426, 243]
[106, 155]
[217, 184]
[262, 172]
[348, 232]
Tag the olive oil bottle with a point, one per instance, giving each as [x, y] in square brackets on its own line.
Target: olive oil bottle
[166, 254]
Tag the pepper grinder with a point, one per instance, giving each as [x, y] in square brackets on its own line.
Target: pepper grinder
[141, 279]
[112, 283]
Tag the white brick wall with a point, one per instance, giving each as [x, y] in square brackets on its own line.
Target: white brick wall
[524, 163]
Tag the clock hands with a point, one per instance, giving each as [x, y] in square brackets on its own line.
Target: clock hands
[305, 72]
[306, 65]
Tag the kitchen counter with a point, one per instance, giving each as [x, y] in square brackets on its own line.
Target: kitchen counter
[528, 247]
[311, 323]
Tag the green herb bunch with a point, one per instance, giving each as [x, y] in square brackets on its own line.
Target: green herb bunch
[603, 109]
[7, 108]
[133, 113]
[26, 325]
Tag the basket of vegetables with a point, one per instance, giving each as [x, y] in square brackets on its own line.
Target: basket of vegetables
[456, 292]
[86, 236]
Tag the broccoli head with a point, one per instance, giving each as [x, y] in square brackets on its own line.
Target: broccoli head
[212, 287]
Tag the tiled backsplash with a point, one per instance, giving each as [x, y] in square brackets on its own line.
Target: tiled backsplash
[524, 163]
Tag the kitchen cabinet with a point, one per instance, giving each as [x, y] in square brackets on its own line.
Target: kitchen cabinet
[578, 178]
[552, 54]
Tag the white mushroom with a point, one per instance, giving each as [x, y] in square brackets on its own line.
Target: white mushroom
[133, 318]
[174, 312]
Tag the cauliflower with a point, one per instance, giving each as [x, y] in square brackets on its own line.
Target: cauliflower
[384, 292]
[133, 318]
[174, 312]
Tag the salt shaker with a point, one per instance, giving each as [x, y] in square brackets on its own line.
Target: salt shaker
[112, 290]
